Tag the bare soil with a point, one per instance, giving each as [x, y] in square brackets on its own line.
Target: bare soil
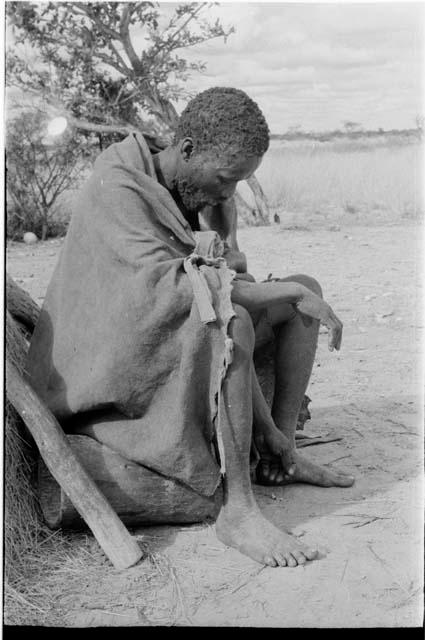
[370, 536]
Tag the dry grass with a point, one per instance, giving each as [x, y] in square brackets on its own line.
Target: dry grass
[25, 535]
[372, 183]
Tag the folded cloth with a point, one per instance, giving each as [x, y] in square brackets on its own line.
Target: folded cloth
[120, 352]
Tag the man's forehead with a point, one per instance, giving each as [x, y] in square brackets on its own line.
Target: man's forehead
[237, 164]
[228, 159]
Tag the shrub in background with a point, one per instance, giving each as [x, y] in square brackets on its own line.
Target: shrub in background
[39, 169]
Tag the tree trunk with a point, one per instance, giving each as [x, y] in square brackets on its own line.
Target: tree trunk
[44, 230]
[246, 212]
[21, 306]
[260, 200]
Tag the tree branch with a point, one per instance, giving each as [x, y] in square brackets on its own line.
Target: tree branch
[122, 68]
[126, 40]
[85, 9]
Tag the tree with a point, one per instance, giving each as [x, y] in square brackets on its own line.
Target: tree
[111, 66]
[294, 129]
[38, 172]
[95, 63]
[351, 127]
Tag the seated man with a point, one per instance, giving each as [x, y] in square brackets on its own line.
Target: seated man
[146, 337]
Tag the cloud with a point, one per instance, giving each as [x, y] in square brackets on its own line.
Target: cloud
[318, 64]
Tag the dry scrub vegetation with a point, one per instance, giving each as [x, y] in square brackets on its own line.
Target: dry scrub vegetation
[370, 181]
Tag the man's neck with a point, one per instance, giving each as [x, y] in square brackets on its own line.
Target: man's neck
[166, 170]
[166, 167]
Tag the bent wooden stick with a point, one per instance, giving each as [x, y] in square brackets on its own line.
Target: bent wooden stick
[110, 532]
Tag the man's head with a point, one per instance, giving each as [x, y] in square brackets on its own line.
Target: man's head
[221, 138]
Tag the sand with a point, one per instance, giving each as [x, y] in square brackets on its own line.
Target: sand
[370, 536]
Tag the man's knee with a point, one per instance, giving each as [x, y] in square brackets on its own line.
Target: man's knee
[242, 330]
[309, 282]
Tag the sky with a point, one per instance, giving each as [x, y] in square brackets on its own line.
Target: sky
[318, 65]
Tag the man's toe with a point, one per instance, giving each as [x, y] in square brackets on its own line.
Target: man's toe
[311, 554]
[280, 477]
[291, 561]
[280, 559]
[299, 557]
[346, 479]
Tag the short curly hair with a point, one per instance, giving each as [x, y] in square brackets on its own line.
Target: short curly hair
[224, 119]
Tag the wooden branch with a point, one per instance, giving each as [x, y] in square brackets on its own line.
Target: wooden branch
[126, 40]
[63, 184]
[173, 36]
[245, 211]
[156, 143]
[110, 532]
[260, 199]
[20, 305]
[125, 69]
[51, 172]
[85, 9]
[85, 125]
[120, 66]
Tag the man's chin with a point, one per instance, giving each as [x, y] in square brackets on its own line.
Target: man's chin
[193, 207]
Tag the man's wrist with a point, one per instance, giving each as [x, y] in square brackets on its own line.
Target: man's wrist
[296, 292]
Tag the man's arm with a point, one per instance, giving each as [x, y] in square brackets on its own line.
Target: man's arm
[223, 219]
[261, 295]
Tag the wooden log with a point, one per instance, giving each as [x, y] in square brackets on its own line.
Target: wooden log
[110, 532]
[138, 495]
[20, 305]
[245, 211]
[260, 199]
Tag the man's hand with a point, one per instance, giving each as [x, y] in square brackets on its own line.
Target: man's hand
[313, 306]
[245, 276]
[236, 260]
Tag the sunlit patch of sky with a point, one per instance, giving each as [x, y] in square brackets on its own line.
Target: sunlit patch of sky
[317, 65]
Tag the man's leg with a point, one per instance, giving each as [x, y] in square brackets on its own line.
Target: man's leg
[296, 343]
[240, 523]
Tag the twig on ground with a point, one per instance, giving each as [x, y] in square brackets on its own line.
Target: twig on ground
[383, 564]
[405, 600]
[336, 459]
[247, 580]
[357, 525]
[308, 442]
[344, 570]
[179, 594]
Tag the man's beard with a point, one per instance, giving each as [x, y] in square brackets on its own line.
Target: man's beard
[193, 198]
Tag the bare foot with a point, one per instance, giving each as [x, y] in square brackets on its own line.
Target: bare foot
[256, 537]
[271, 472]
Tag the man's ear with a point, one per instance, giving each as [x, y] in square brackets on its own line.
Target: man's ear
[186, 148]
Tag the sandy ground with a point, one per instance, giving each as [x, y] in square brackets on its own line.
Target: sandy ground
[370, 536]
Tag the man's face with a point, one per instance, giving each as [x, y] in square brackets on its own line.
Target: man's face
[210, 179]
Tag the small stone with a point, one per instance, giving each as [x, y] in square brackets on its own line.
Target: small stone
[30, 238]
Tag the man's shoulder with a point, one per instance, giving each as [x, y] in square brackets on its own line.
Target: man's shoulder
[131, 153]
